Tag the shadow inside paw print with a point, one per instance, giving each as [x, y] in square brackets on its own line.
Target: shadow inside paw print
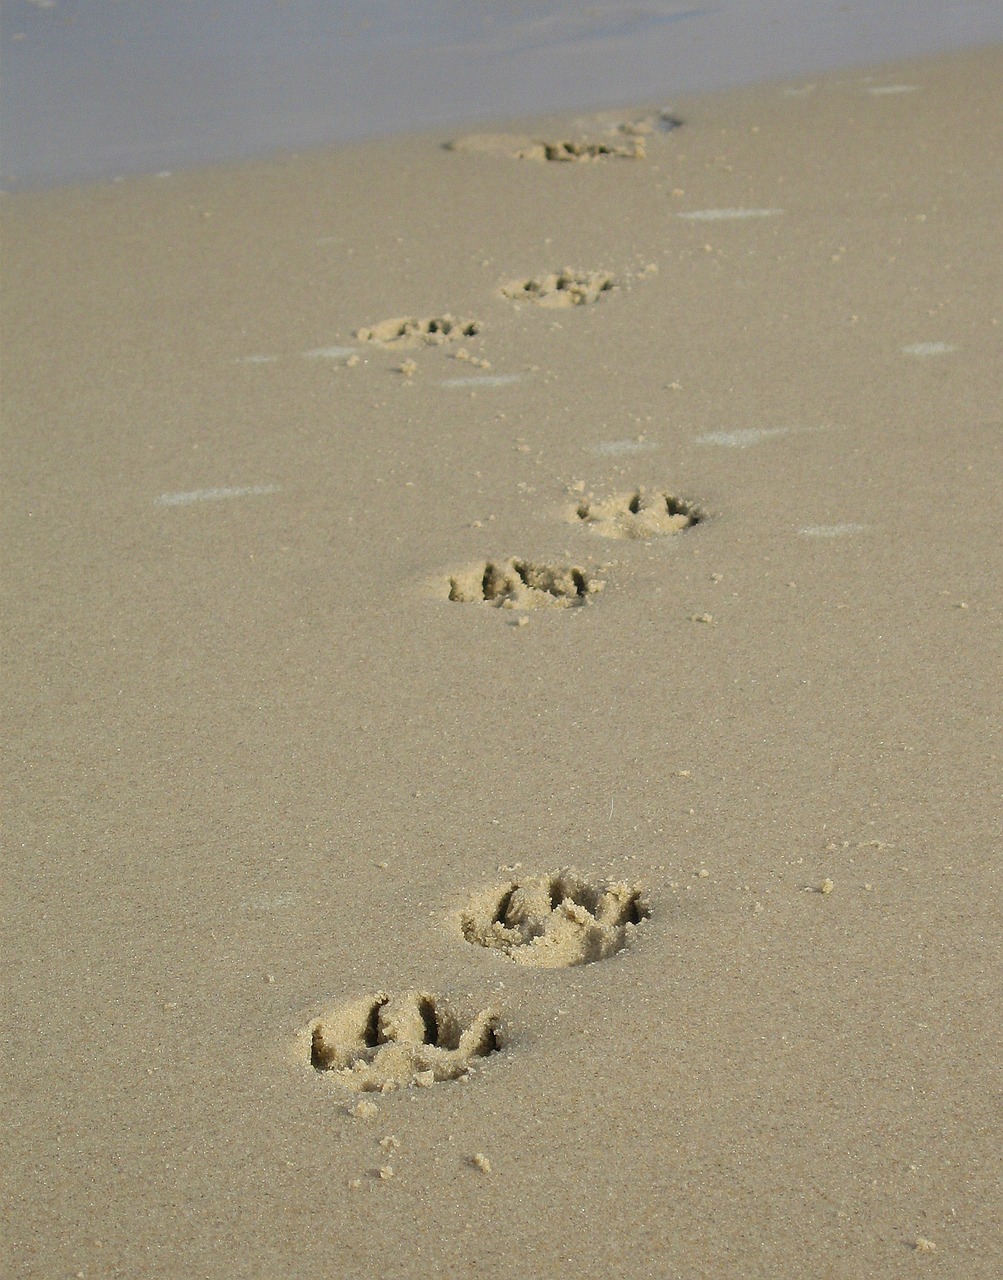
[521, 584]
[555, 921]
[645, 513]
[393, 1042]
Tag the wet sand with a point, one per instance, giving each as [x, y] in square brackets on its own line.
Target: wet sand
[387, 531]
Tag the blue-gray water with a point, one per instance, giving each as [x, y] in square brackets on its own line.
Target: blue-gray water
[97, 88]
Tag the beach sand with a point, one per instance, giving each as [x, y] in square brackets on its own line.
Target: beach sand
[512, 791]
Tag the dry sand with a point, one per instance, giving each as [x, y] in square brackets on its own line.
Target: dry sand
[659, 539]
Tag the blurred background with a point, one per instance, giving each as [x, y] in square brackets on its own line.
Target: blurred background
[94, 89]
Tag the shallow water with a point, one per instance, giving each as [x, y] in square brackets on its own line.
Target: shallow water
[103, 89]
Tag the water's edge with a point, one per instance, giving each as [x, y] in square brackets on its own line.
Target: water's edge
[109, 90]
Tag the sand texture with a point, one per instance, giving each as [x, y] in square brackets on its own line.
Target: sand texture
[501, 732]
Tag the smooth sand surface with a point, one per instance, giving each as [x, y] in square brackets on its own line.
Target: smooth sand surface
[277, 804]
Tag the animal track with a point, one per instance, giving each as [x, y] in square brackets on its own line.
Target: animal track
[657, 122]
[520, 584]
[393, 1042]
[571, 151]
[557, 920]
[567, 288]
[626, 142]
[411, 332]
[523, 148]
[645, 513]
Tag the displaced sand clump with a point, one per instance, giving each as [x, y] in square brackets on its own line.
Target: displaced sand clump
[557, 920]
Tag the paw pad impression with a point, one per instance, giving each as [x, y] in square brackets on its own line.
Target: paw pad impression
[555, 921]
[645, 513]
[411, 332]
[567, 288]
[390, 1042]
[522, 584]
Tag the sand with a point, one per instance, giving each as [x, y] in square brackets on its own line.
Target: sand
[501, 732]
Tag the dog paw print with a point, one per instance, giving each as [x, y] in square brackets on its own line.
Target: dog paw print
[555, 921]
[654, 122]
[390, 1042]
[623, 140]
[628, 146]
[644, 513]
[523, 584]
[632, 148]
[567, 288]
[411, 332]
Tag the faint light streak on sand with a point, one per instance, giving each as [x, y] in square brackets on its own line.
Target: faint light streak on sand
[727, 215]
[213, 495]
[831, 530]
[329, 353]
[928, 349]
[743, 438]
[483, 380]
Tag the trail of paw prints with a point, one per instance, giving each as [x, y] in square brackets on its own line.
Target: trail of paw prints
[641, 514]
[567, 288]
[557, 920]
[523, 584]
[388, 1042]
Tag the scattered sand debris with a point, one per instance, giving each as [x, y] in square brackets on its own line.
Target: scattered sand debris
[556, 920]
[388, 1042]
[481, 1161]
[464, 354]
[408, 368]
[363, 1109]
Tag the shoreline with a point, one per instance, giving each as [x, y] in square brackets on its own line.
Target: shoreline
[111, 89]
